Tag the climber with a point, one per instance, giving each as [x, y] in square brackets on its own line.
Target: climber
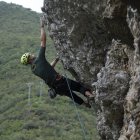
[42, 68]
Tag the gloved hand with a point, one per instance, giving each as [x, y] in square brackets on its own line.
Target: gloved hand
[42, 21]
[57, 58]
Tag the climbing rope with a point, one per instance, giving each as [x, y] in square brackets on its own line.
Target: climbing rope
[76, 109]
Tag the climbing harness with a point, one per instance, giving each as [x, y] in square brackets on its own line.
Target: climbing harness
[76, 109]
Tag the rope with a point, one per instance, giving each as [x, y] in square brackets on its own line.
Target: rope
[76, 109]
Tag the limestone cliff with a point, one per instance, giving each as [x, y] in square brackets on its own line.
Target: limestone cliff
[98, 42]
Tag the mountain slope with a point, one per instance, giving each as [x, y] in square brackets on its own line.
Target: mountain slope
[38, 117]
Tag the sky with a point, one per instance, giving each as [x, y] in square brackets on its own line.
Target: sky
[35, 5]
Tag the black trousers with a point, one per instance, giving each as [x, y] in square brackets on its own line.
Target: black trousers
[62, 88]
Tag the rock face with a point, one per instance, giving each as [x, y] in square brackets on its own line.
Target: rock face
[98, 42]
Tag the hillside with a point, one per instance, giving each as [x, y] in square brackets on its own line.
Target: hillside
[38, 117]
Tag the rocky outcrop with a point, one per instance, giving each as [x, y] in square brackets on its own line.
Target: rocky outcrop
[98, 42]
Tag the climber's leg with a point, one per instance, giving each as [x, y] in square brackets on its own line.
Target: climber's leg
[74, 97]
[76, 86]
[77, 99]
[63, 87]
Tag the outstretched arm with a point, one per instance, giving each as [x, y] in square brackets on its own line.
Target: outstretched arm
[54, 62]
[43, 33]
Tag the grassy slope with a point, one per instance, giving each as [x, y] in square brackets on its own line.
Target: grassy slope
[45, 119]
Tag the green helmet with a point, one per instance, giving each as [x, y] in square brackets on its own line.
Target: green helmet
[24, 58]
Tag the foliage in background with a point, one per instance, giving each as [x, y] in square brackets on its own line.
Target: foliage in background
[41, 118]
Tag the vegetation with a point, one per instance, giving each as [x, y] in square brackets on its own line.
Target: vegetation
[39, 118]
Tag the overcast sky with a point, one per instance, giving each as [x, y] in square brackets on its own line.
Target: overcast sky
[35, 5]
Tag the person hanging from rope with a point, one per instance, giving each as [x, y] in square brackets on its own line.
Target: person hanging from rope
[42, 68]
